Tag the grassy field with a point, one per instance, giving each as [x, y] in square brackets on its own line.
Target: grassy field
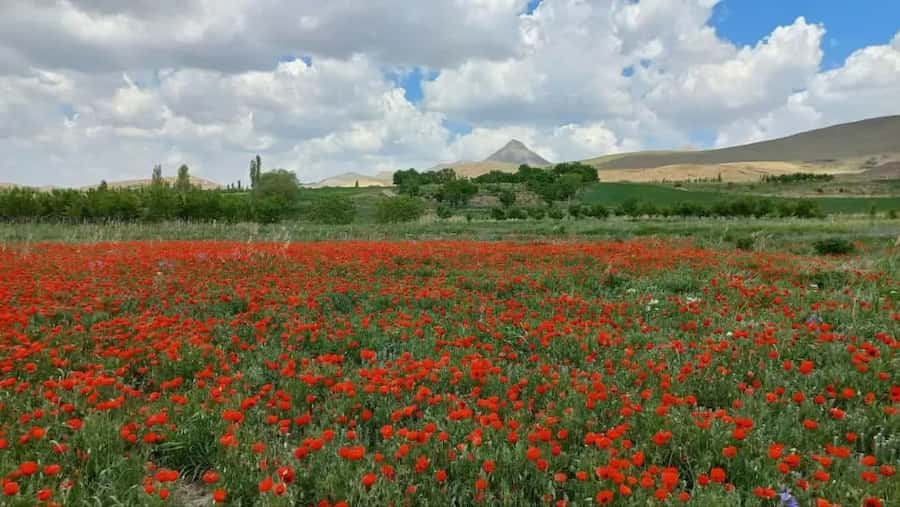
[769, 234]
[613, 194]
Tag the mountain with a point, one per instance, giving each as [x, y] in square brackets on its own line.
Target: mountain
[846, 141]
[515, 152]
[351, 179]
[507, 159]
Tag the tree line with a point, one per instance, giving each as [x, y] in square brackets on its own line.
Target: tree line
[272, 197]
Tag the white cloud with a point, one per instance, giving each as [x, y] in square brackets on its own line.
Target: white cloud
[93, 89]
[866, 85]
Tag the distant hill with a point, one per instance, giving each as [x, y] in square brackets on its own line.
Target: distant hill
[201, 183]
[507, 159]
[824, 146]
[515, 152]
[351, 180]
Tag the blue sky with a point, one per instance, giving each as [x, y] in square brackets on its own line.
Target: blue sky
[850, 25]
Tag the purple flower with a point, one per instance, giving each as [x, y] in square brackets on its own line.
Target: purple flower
[787, 499]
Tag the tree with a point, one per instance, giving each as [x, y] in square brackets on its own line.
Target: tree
[183, 182]
[280, 184]
[457, 192]
[156, 180]
[507, 198]
[255, 171]
[399, 209]
[568, 185]
[332, 210]
[406, 177]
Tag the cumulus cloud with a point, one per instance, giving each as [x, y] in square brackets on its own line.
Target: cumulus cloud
[866, 85]
[93, 89]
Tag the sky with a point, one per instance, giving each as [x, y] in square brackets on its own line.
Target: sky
[104, 89]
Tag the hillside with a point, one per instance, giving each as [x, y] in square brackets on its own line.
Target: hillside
[352, 179]
[826, 146]
[201, 183]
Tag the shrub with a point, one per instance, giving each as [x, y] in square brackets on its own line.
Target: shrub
[537, 213]
[745, 243]
[833, 246]
[507, 198]
[598, 211]
[444, 212]
[399, 209]
[892, 214]
[575, 210]
[457, 192]
[516, 214]
[333, 210]
[498, 214]
[555, 213]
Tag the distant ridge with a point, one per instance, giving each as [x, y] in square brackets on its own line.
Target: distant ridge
[201, 183]
[863, 138]
[352, 179]
[515, 152]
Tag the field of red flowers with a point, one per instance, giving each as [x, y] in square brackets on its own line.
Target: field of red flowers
[444, 373]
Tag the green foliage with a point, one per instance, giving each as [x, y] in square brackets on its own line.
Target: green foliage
[498, 214]
[255, 171]
[555, 213]
[892, 214]
[507, 198]
[833, 246]
[444, 212]
[279, 184]
[413, 177]
[457, 192]
[796, 178]
[332, 210]
[156, 179]
[399, 209]
[183, 182]
[586, 173]
[537, 213]
[575, 210]
[516, 214]
[745, 243]
[598, 211]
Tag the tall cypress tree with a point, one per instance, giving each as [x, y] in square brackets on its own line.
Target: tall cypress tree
[183, 183]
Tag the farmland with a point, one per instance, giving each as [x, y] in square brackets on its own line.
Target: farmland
[549, 372]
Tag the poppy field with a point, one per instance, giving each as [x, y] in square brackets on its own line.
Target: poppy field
[369, 373]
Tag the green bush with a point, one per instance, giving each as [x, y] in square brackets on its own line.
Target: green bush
[516, 214]
[498, 214]
[555, 213]
[399, 209]
[332, 210]
[892, 214]
[598, 211]
[833, 246]
[537, 213]
[444, 212]
[745, 243]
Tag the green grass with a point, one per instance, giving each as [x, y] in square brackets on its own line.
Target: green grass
[770, 234]
[613, 194]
